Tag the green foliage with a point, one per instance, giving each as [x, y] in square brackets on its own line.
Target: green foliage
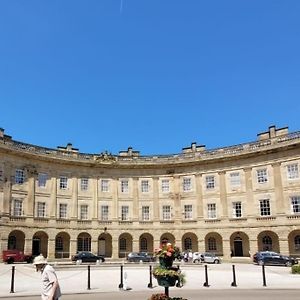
[296, 269]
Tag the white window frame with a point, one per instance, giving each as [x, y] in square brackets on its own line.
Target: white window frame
[84, 184]
[42, 180]
[63, 182]
[17, 210]
[124, 212]
[104, 212]
[295, 205]
[145, 213]
[41, 209]
[165, 185]
[124, 186]
[19, 176]
[187, 184]
[210, 182]
[292, 171]
[104, 185]
[166, 212]
[211, 210]
[188, 211]
[84, 212]
[145, 186]
[265, 207]
[262, 176]
[63, 211]
[237, 209]
[235, 179]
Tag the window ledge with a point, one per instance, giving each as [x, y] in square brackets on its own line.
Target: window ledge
[296, 216]
[237, 219]
[266, 218]
[212, 220]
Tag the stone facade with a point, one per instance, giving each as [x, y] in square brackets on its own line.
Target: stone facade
[231, 201]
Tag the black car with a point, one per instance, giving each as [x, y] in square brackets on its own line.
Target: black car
[273, 258]
[140, 256]
[86, 256]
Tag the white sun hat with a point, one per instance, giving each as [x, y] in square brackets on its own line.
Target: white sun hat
[40, 260]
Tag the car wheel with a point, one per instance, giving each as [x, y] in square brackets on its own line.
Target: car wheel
[288, 264]
[216, 261]
[261, 263]
[196, 261]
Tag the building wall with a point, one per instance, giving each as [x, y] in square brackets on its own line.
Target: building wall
[198, 230]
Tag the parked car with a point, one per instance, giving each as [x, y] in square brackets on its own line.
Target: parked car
[86, 256]
[140, 256]
[11, 256]
[273, 258]
[206, 257]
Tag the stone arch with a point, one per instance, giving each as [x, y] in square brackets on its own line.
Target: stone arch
[239, 244]
[40, 243]
[189, 241]
[294, 243]
[62, 245]
[146, 243]
[125, 244]
[214, 243]
[84, 241]
[16, 240]
[105, 244]
[268, 241]
[168, 237]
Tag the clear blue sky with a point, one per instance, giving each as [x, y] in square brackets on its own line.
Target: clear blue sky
[152, 74]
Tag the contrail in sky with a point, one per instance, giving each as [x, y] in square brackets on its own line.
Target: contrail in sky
[121, 6]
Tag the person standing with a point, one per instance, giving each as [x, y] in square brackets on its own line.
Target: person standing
[50, 285]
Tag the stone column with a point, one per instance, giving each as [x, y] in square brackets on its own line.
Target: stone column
[135, 201]
[31, 193]
[95, 209]
[223, 195]
[226, 249]
[278, 189]
[115, 248]
[135, 245]
[249, 192]
[94, 245]
[53, 197]
[74, 200]
[115, 205]
[7, 188]
[155, 198]
[51, 249]
[28, 246]
[176, 207]
[199, 205]
[253, 247]
[283, 245]
[73, 247]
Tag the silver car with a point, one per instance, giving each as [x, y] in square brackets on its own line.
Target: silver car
[206, 257]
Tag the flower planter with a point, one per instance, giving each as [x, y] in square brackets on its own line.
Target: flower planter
[166, 262]
[166, 281]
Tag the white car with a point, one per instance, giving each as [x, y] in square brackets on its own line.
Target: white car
[206, 257]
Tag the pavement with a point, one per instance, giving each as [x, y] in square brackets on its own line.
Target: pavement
[106, 278]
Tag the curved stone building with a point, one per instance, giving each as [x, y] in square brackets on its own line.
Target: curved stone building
[231, 201]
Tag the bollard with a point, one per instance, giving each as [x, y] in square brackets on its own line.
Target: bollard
[12, 279]
[121, 283]
[167, 291]
[89, 278]
[150, 286]
[264, 275]
[206, 277]
[233, 283]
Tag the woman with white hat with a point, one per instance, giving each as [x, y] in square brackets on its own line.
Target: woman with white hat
[50, 285]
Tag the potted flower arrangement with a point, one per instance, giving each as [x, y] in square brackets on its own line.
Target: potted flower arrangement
[165, 273]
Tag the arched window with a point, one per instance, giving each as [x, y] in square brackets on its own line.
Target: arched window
[212, 244]
[267, 243]
[144, 245]
[187, 244]
[12, 243]
[297, 242]
[122, 244]
[84, 244]
[59, 246]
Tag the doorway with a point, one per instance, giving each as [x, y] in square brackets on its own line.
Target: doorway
[238, 247]
[36, 246]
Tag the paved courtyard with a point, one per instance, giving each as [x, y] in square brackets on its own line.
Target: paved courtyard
[106, 278]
